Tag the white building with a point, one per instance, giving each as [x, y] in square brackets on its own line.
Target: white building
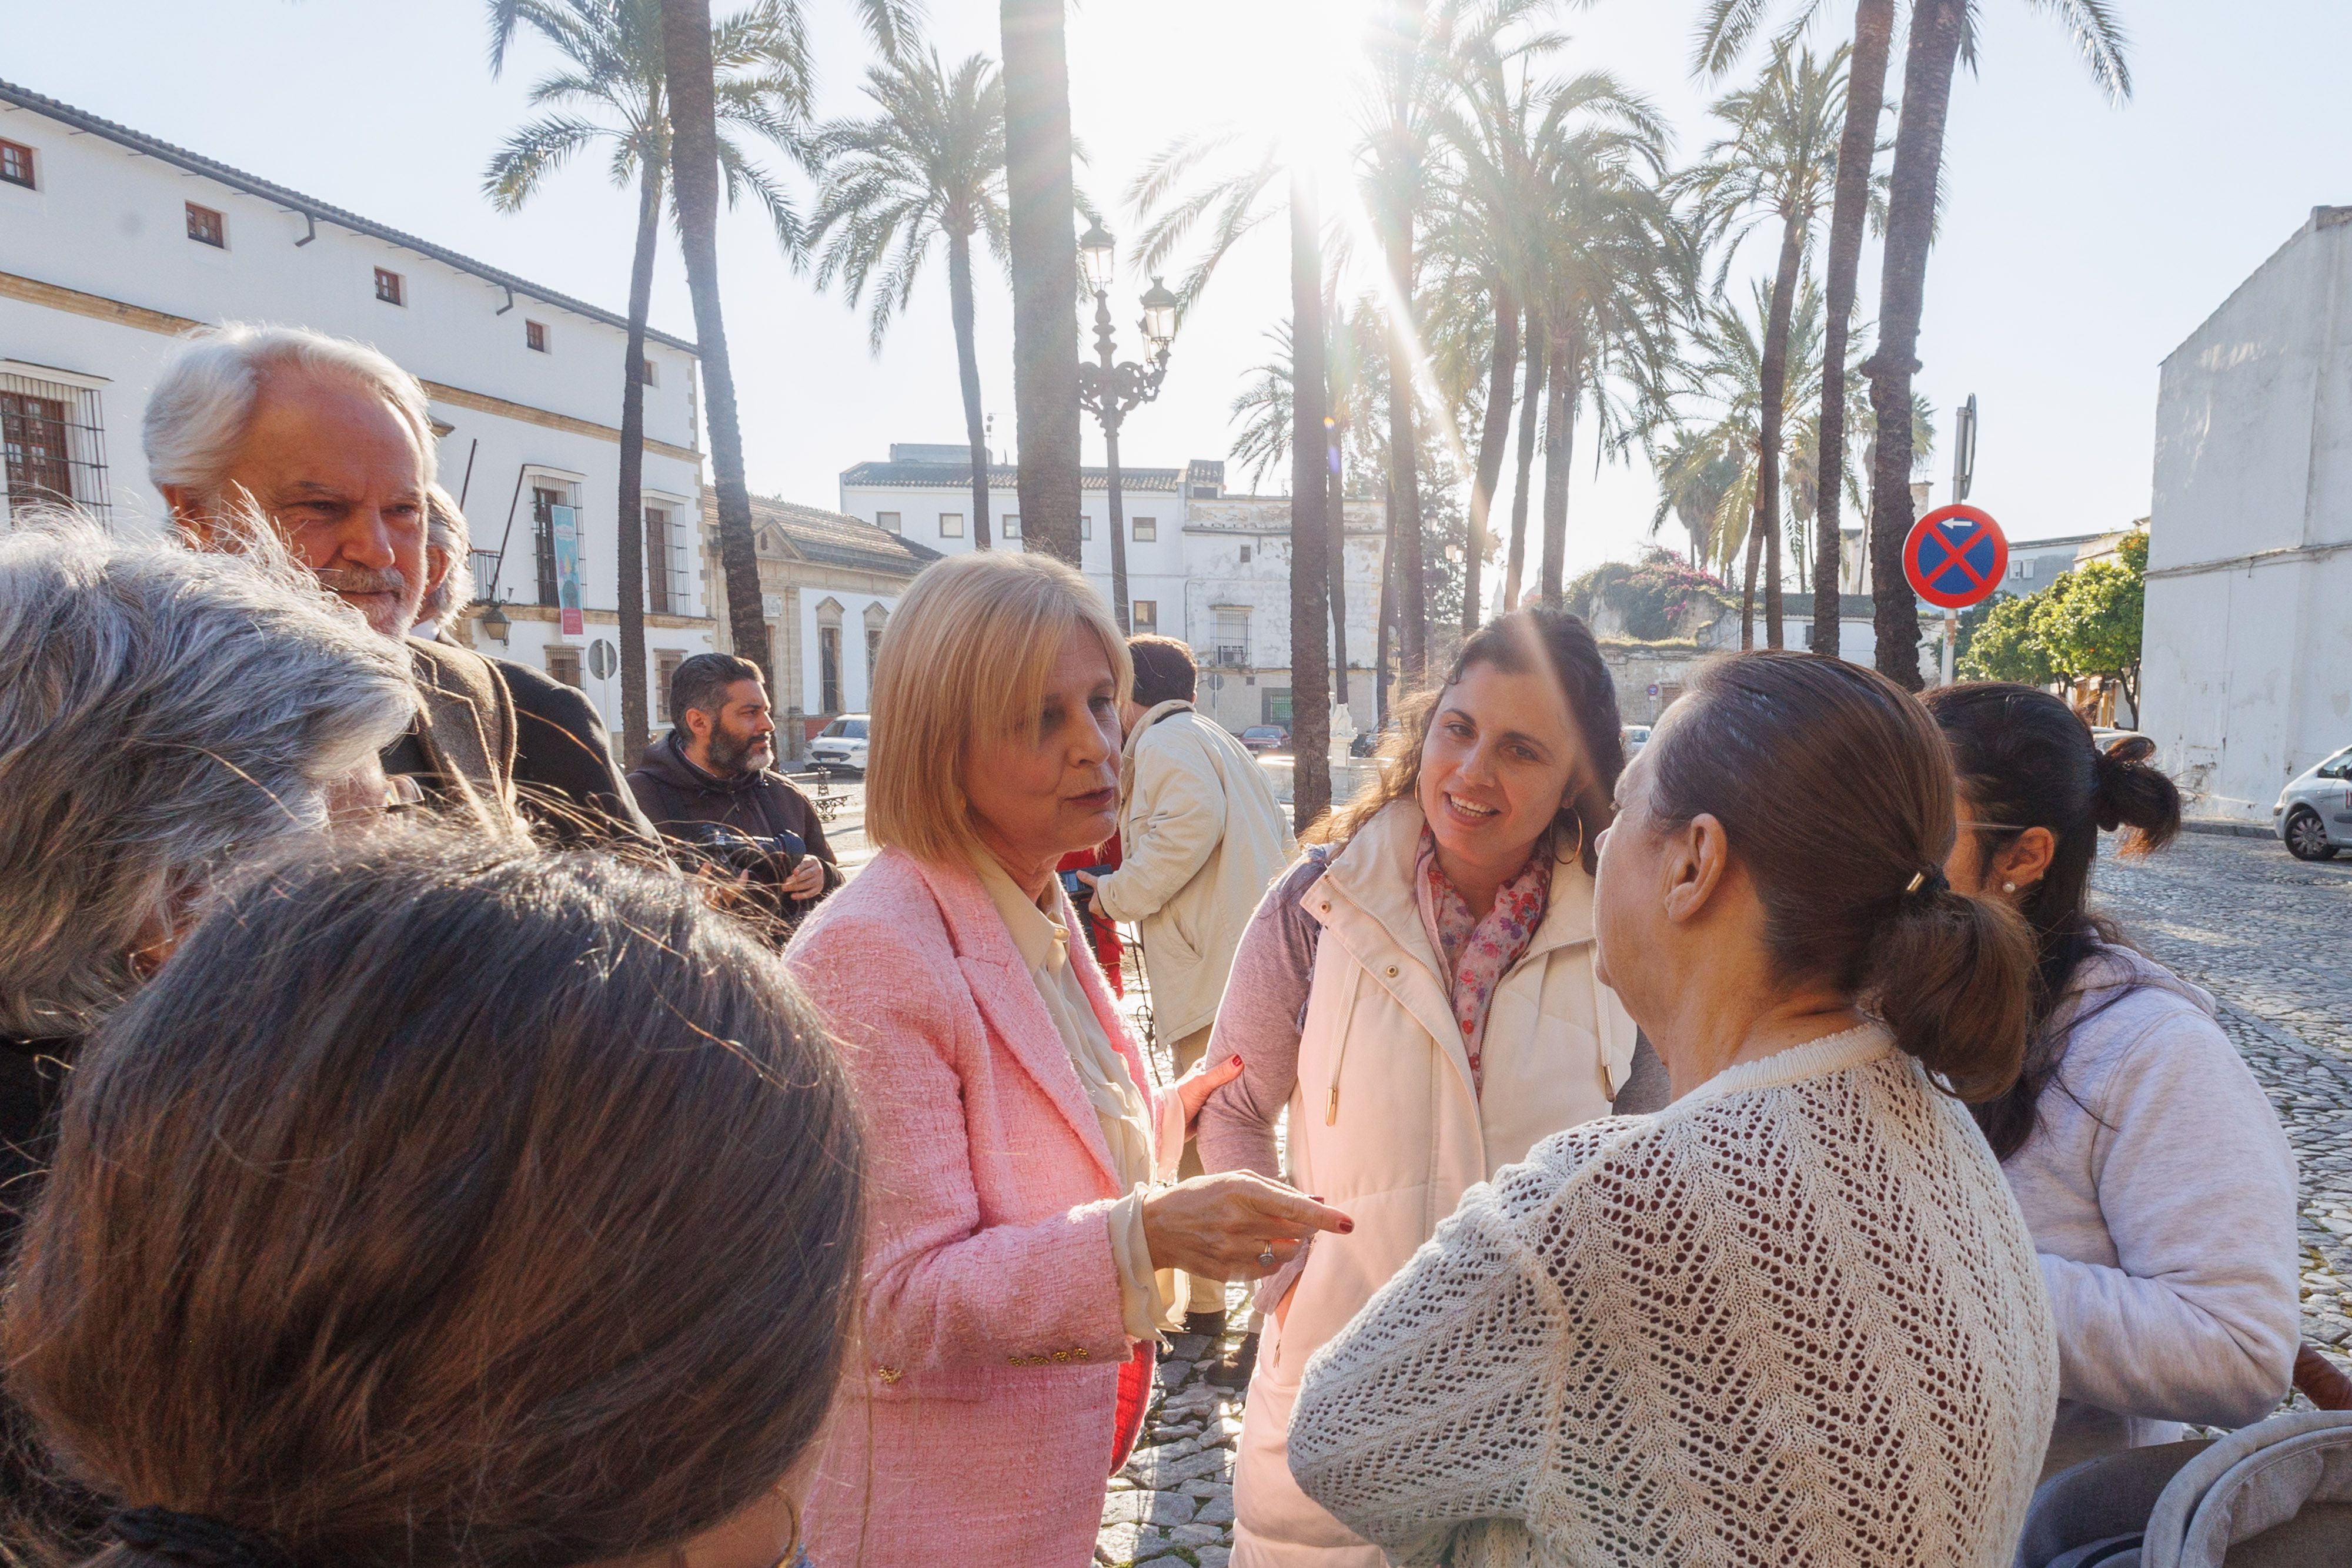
[2247, 654]
[829, 584]
[1209, 568]
[112, 243]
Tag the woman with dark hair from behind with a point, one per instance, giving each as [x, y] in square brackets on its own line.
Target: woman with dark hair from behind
[2151, 1167]
[1794, 1317]
[442, 1203]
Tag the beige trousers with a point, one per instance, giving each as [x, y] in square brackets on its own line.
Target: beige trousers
[1201, 1295]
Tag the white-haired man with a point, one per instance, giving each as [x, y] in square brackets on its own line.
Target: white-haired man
[331, 443]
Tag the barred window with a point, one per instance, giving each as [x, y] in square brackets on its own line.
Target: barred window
[54, 443]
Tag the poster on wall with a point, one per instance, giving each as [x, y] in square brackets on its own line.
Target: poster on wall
[565, 523]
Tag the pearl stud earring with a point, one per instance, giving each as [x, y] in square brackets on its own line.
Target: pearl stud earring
[2008, 887]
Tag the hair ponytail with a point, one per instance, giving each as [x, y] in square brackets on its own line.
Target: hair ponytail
[2133, 795]
[1836, 791]
[2024, 759]
[1951, 976]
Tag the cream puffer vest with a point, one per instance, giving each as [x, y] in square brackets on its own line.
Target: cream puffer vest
[1385, 1125]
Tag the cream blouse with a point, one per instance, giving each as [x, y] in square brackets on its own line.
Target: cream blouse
[1126, 1115]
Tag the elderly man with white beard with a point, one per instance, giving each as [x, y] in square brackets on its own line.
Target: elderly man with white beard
[330, 444]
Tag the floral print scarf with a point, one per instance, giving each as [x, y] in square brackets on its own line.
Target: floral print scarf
[1478, 953]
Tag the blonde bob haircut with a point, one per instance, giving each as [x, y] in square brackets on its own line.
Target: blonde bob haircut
[965, 658]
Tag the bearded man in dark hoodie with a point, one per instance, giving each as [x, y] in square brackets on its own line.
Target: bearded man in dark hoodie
[710, 786]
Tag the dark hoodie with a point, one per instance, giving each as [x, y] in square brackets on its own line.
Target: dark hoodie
[675, 794]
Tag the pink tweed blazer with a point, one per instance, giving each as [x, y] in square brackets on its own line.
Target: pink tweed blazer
[976, 1424]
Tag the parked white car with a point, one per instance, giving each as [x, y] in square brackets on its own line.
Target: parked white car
[2314, 810]
[841, 744]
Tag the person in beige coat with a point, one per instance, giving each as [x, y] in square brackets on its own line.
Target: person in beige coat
[1419, 993]
[1201, 835]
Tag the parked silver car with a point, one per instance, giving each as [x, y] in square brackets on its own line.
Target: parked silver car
[2314, 810]
[841, 744]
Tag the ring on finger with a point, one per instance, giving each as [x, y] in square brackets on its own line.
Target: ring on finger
[1266, 1258]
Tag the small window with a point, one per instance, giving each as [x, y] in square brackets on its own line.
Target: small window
[563, 663]
[951, 525]
[828, 660]
[1086, 527]
[886, 521]
[1146, 616]
[1147, 530]
[651, 374]
[1245, 555]
[389, 288]
[1012, 529]
[666, 663]
[534, 337]
[17, 165]
[206, 227]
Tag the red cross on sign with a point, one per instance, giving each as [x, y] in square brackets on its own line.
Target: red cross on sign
[1955, 556]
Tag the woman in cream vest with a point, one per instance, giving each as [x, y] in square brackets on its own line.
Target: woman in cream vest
[1418, 992]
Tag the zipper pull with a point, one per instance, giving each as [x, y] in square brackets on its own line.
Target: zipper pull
[1332, 1110]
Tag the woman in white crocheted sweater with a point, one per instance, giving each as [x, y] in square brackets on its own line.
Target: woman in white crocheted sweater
[1795, 1317]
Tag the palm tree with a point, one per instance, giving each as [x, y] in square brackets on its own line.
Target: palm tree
[690, 70]
[1616, 272]
[611, 90]
[1939, 29]
[1236, 200]
[1042, 258]
[931, 165]
[1485, 225]
[1696, 469]
[1780, 163]
[1727, 368]
[1723, 34]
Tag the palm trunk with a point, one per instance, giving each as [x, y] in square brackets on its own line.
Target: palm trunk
[1043, 258]
[1559, 450]
[1936, 27]
[1384, 634]
[1492, 441]
[1773, 377]
[1530, 410]
[1335, 513]
[629, 550]
[694, 176]
[960, 305]
[1866, 100]
[1310, 532]
[1747, 585]
[1405, 460]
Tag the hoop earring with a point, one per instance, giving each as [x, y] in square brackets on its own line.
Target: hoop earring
[1576, 853]
[792, 1552]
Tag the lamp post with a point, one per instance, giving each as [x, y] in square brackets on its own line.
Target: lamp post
[1111, 390]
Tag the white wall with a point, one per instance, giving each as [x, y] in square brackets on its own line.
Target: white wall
[2247, 656]
[108, 223]
[1155, 568]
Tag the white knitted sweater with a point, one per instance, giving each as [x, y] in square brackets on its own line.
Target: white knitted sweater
[1794, 1318]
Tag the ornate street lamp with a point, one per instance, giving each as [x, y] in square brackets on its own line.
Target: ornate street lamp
[495, 622]
[1111, 389]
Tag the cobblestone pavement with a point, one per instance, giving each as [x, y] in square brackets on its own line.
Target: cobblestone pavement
[2270, 936]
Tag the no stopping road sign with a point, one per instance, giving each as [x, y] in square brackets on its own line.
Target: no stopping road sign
[1955, 556]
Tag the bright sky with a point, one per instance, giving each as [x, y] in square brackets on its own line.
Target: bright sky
[2081, 242]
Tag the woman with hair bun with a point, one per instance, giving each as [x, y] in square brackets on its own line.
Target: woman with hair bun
[2151, 1167]
[1795, 1315]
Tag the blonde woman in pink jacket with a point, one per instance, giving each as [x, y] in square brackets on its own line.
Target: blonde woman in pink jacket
[1014, 1133]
